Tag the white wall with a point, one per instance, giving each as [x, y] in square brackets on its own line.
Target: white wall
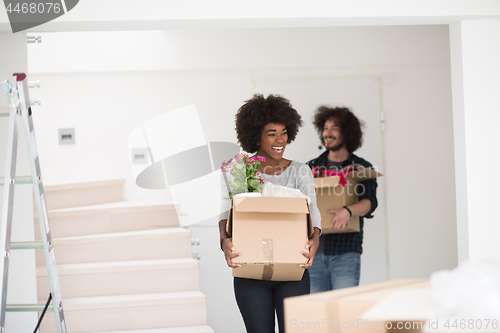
[311, 48]
[22, 268]
[420, 172]
[105, 107]
[476, 83]
[214, 69]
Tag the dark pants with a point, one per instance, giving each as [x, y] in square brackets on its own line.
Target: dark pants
[259, 299]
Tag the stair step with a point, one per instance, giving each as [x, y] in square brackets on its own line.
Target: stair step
[84, 193]
[110, 218]
[185, 329]
[122, 278]
[164, 243]
[132, 312]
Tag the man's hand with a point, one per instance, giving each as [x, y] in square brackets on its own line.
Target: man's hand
[340, 218]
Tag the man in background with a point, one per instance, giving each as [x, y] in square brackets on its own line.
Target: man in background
[338, 258]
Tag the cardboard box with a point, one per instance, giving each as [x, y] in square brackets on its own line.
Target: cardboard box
[319, 313]
[407, 308]
[331, 195]
[270, 233]
[352, 309]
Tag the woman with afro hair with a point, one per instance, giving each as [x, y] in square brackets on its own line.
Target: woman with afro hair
[265, 126]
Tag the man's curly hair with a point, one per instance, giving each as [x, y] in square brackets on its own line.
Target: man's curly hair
[350, 125]
[259, 111]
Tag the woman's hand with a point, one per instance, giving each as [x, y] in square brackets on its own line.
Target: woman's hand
[226, 245]
[340, 218]
[312, 247]
[228, 248]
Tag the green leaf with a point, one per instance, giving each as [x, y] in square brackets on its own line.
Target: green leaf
[258, 188]
[255, 186]
[240, 174]
[256, 167]
[254, 183]
[237, 185]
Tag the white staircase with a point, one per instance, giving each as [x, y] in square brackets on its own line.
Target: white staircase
[122, 266]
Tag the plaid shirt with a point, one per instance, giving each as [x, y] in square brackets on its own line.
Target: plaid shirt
[351, 241]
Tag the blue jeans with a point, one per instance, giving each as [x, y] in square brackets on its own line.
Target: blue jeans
[330, 272]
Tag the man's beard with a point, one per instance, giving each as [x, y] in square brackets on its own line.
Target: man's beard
[334, 148]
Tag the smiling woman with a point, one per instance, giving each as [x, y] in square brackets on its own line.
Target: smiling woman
[265, 126]
[272, 146]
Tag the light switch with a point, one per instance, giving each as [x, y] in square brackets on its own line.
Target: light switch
[139, 156]
[66, 136]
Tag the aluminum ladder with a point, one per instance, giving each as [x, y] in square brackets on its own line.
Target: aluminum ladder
[19, 102]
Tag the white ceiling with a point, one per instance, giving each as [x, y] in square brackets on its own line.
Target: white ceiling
[125, 15]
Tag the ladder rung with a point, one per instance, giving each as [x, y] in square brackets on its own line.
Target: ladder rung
[27, 307]
[19, 180]
[26, 245]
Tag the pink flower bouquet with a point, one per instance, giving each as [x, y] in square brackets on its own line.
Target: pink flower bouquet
[245, 172]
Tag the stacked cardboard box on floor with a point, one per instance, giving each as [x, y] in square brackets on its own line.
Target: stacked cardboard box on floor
[407, 310]
[354, 307]
[270, 233]
[331, 195]
[340, 310]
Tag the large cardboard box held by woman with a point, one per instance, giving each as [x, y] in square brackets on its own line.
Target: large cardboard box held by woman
[270, 233]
